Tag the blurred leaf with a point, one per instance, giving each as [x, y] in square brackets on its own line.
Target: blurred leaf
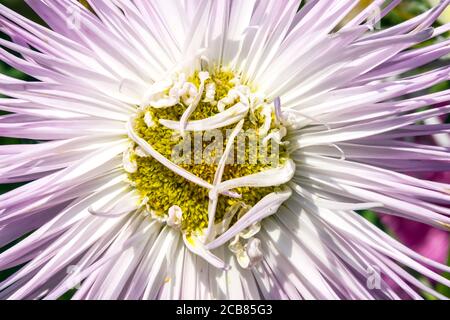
[407, 9]
[21, 7]
[68, 295]
[373, 217]
[443, 289]
[440, 87]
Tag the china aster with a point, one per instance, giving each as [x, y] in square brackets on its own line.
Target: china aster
[115, 91]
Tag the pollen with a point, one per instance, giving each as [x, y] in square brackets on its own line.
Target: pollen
[212, 94]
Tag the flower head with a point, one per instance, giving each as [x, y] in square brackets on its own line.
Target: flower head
[218, 149]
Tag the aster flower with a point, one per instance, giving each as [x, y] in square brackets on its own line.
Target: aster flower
[119, 88]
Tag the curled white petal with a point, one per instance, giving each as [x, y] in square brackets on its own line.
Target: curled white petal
[223, 225]
[226, 154]
[212, 206]
[220, 120]
[271, 177]
[198, 248]
[264, 208]
[185, 117]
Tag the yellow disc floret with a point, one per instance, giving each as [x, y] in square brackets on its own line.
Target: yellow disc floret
[160, 188]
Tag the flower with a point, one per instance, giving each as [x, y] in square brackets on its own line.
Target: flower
[119, 92]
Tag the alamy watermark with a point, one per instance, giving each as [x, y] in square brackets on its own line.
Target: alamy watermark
[209, 147]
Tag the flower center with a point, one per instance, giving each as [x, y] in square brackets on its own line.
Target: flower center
[194, 135]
